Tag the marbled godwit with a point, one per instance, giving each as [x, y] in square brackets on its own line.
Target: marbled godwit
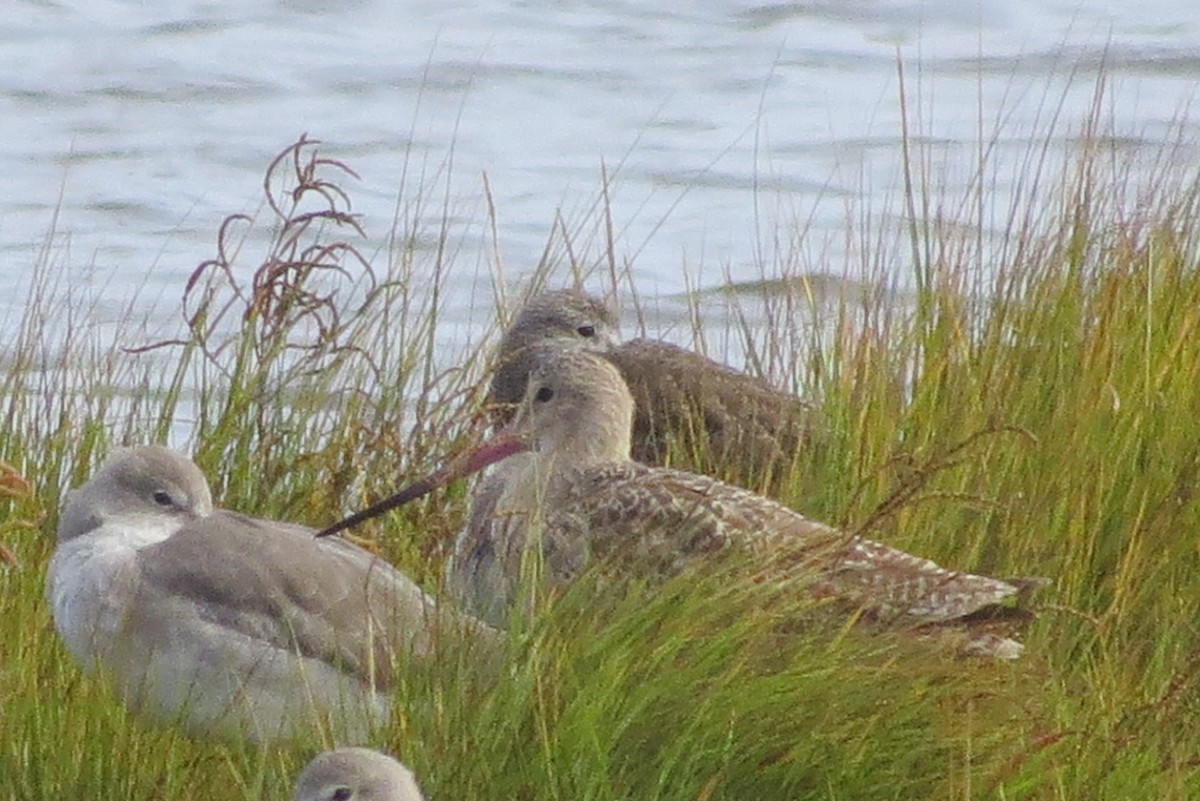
[589, 502]
[707, 416]
[227, 623]
[356, 774]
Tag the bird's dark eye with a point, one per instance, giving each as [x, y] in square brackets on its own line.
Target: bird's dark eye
[342, 794]
[163, 498]
[544, 394]
[586, 331]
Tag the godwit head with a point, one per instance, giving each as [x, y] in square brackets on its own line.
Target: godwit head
[577, 409]
[566, 317]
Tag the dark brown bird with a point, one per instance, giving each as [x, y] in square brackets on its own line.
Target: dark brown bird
[565, 482]
[690, 411]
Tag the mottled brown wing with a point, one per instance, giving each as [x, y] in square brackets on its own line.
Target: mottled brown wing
[662, 519]
[708, 415]
[893, 584]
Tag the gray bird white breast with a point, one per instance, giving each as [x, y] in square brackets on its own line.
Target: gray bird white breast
[167, 655]
[92, 580]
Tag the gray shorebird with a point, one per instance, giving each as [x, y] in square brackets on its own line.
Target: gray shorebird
[356, 774]
[704, 415]
[566, 476]
[226, 623]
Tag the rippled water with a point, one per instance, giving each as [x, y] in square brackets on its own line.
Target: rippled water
[144, 123]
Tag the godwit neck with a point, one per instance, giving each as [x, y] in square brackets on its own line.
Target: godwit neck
[577, 410]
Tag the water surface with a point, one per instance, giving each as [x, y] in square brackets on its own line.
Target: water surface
[131, 128]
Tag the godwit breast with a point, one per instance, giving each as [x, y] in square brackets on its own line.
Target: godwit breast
[707, 416]
[226, 623]
[356, 774]
[576, 483]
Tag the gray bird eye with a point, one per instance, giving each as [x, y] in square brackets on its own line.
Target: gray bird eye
[544, 394]
[342, 794]
[163, 498]
[587, 331]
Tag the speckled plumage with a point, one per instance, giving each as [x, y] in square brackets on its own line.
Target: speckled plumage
[706, 416]
[587, 501]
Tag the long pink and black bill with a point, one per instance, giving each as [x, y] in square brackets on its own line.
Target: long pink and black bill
[498, 448]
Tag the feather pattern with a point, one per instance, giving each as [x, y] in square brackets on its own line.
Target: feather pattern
[581, 500]
[703, 414]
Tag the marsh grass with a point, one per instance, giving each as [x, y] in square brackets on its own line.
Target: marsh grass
[1028, 409]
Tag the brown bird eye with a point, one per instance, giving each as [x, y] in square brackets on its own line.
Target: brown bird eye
[587, 331]
[544, 394]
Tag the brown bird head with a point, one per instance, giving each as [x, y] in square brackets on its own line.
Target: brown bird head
[562, 317]
[576, 410]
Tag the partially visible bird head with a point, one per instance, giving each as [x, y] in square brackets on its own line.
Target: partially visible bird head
[356, 774]
[566, 317]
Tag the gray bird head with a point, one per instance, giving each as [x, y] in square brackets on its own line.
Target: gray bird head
[146, 481]
[356, 774]
[565, 317]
